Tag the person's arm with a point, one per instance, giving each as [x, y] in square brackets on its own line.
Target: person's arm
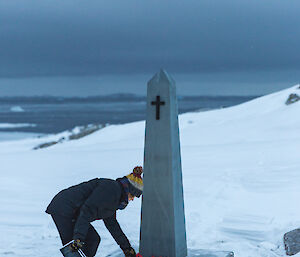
[90, 211]
[115, 230]
[87, 215]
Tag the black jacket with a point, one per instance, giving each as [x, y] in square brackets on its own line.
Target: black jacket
[89, 201]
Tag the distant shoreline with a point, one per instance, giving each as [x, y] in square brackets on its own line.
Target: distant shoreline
[56, 114]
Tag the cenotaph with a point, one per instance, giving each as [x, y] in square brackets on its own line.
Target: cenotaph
[163, 232]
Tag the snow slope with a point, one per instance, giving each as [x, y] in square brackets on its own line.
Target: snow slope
[241, 175]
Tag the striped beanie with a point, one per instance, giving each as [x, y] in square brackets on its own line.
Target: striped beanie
[136, 181]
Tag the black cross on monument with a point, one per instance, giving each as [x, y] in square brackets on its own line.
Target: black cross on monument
[158, 103]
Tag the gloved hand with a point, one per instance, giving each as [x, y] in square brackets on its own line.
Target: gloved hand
[76, 245]
[129, 252]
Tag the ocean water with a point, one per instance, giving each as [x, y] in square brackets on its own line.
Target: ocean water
[43, 115]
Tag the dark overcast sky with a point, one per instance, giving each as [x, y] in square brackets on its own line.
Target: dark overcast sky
[66, 38]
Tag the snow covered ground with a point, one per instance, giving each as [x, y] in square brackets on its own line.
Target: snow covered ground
[241, 175]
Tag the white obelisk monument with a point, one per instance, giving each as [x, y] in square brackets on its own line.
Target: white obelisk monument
[163, 222]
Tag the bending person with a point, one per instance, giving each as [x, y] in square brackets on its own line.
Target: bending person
[74, 208]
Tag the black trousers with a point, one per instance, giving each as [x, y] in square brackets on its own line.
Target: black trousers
[65, 227]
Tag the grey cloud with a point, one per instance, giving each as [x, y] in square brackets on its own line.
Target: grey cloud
[94, 37]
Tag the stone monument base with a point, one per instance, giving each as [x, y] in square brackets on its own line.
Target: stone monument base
[209, 253]
[191, 253]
